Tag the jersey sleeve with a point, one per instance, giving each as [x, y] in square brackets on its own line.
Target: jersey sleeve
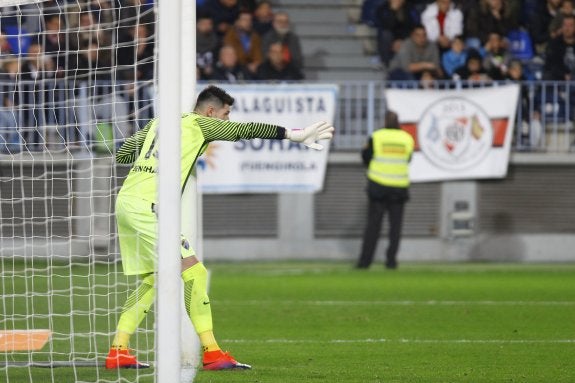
[220, 130]
[130, 149]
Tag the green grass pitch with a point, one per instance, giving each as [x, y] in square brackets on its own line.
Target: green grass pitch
[325, 322]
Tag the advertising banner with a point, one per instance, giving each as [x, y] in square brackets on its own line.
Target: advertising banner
[459, 134]
[270, 166]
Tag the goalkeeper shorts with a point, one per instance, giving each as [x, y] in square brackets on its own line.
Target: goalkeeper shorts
[137, 233]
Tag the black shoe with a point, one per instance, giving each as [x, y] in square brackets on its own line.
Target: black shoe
[362, 267]
[391, 265]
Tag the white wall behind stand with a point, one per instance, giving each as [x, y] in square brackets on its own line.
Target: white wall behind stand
[529, 216]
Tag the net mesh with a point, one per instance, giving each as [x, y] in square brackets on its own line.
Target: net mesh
[76, 78]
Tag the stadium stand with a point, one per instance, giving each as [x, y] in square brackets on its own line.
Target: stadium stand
[338, 41]
[336, 44]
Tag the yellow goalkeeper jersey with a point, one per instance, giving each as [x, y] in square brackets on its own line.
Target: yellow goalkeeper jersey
[197, 132]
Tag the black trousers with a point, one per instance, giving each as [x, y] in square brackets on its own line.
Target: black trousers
[376, 210]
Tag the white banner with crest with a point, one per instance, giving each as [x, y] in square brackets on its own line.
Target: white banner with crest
[459, 134]
[269, 166]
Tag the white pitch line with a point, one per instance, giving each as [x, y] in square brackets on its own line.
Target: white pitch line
[402, 340]
[400, 303]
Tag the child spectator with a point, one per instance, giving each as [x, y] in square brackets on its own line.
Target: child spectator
[496, 58]
[473, 69]
[427, 80]
[454, 58]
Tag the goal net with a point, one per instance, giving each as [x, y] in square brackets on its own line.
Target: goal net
[76, 78]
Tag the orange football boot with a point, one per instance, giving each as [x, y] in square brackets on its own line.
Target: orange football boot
[123, 359]
[219, 360]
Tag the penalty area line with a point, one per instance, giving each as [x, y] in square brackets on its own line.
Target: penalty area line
[402, 340]
[400, 303]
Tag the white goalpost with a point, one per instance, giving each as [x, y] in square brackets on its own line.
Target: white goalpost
[191, 202]
[76, 79]
[169, 133]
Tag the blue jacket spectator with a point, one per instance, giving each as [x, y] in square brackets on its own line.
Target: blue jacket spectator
[454, 58]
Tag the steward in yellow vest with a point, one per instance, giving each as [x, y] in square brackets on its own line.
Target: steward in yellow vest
[387, 155]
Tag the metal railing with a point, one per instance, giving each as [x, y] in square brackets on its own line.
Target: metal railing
[50, 115]
[68, 115]
[543, 122]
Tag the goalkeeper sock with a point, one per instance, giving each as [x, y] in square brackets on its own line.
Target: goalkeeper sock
[208, 341]
[135, 309]
[198, 304]
[121, 340]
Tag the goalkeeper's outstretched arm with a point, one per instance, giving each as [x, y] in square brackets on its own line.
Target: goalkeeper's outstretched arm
[214, 129]
[220, 130]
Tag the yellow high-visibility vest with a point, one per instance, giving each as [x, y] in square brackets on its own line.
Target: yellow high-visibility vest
[392, 150]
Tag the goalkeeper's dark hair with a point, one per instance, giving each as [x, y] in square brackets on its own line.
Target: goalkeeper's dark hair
[215, 95]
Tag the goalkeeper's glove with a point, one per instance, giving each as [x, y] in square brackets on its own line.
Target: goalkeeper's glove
[308, 136]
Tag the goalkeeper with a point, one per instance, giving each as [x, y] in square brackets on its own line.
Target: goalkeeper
[137, 221]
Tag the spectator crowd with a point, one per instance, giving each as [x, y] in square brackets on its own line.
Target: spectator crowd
[50, 50]
[483, 41]
[244, 41]
[80, 39]
[113, 42]
[237, 40]
[55, 50]
[475, 40]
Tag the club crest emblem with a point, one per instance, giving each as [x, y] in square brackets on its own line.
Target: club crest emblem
[455, 133]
